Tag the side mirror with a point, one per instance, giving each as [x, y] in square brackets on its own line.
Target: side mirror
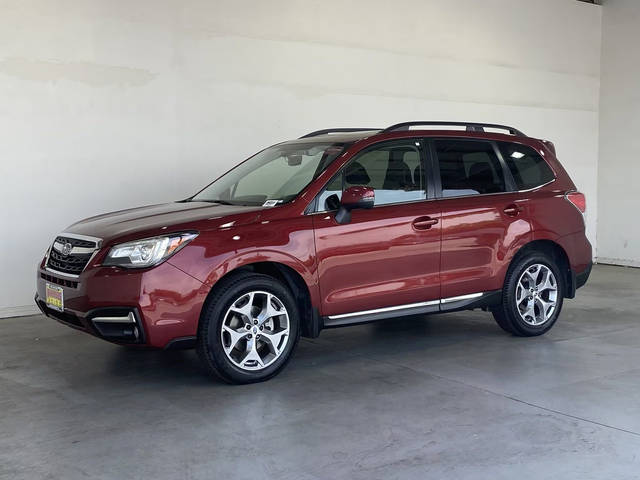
[354, 197]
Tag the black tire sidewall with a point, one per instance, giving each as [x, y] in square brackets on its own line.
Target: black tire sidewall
[509, 302]
[209, 337]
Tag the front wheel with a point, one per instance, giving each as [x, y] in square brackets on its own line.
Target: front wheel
[532, 296]
[248, 329]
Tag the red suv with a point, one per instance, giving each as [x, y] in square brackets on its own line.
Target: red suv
[339, 227]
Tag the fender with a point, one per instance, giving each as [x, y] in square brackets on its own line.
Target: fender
[542, 234]
[508, 253]
[247, 258]
[214, 254]
[521, 242]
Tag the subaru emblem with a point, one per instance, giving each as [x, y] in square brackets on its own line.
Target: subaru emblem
[66, 249]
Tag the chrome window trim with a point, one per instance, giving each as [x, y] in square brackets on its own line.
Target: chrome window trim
[407, 306]
[446, 198]
[496, 193]
[440, 197]
[379, 206]
[539, 186]
[450, 198]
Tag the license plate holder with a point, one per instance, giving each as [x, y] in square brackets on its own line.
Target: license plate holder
[54, 297]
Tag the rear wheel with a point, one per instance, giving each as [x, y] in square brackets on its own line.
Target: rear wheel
[248, 329]
[532, 296]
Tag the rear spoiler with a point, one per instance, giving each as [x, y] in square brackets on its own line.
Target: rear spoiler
[549, 144]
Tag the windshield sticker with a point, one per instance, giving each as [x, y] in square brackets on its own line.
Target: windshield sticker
[271, 203]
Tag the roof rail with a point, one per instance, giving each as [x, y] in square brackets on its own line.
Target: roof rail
[337, 130]
[471, 127]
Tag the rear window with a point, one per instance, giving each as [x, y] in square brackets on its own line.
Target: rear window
[528, 168]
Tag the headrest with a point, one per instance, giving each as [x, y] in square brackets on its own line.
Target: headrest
[357, 175]
[397, 154]
[480, 169]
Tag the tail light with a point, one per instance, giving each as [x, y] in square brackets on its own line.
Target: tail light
[578, 200]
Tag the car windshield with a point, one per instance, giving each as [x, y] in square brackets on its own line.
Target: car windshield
[273, 176]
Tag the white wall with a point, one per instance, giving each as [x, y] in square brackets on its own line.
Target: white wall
[619, 164]
[110, 104]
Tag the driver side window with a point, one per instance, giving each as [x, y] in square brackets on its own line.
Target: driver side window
[393, 170]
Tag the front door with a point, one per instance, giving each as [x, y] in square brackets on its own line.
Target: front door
[386, 257]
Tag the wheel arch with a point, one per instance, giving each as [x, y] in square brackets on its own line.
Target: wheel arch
[555, 251]
[293, 280]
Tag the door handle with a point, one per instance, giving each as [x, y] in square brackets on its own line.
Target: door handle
[512, 210]
[424, 223]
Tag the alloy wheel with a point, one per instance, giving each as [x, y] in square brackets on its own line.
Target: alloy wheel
[255, 330]
[537, 294]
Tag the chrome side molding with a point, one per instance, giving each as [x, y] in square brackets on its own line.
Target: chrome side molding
[462, 297]
[407, 307]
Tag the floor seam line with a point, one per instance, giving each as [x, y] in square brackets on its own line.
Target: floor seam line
[514, 399]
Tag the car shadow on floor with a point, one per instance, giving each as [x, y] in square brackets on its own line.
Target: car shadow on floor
[332, 348]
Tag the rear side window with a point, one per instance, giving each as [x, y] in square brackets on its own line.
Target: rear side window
[528, 168]
[469, 167]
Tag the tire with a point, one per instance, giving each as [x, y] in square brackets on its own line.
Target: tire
[531, 306]
[238, 353]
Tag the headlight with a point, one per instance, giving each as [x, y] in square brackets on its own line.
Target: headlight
[147, 252]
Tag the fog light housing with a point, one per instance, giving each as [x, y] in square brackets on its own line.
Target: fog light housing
[118, 325]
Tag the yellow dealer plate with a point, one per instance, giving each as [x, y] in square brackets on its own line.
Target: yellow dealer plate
[54, 297]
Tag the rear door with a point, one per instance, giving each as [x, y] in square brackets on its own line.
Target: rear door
[387, 256]
[482, 216]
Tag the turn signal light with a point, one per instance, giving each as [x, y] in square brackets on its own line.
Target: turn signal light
[578, 200]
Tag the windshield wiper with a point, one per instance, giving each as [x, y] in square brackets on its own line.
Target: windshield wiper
[221, 202]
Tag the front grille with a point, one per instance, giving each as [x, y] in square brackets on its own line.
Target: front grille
[72, 263]
[76, 242]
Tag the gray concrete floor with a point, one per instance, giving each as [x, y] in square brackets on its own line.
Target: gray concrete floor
[447, 396]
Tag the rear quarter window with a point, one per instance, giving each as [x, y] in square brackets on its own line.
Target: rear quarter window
[528, 168]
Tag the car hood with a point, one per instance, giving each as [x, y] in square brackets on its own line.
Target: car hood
[157, 219]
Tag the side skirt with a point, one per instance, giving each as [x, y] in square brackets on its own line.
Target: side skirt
[482, 300]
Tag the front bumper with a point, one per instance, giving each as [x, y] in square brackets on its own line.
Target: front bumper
[151, 307]
[121, 325]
